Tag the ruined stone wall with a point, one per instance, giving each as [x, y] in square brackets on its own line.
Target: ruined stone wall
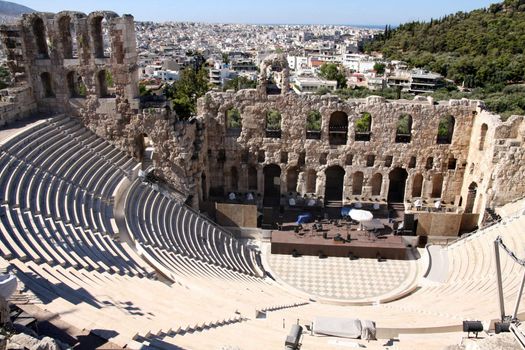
[352, 157]
[496, 161]
[16, 104]
[86, 66]
[202, 155]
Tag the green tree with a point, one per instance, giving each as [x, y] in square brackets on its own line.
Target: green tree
[313, 121]
[225, 58]
[239, 83]
[185, 91]
[233, 119]
[380, 68]
[273, 120]
[332, 71]
[404, 125]
[364, 123]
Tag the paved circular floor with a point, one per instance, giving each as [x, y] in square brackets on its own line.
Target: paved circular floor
[342, 278]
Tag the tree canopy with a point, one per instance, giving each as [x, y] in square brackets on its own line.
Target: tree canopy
[193, 83]
[332, 71]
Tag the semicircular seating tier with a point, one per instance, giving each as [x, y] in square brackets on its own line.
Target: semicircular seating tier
[180, 242]
[58, 235]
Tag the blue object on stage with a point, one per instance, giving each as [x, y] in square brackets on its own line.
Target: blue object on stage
[304, 218]
[345, 211]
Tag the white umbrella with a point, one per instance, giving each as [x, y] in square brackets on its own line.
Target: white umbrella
[361, 215]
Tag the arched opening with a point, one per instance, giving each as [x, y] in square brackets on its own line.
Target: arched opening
[471, 197]
[313, 125]
[100, 36]
[335, 176]
[446, 130]
[363, 127]
[75, 85]
[396, 191]
[357, 183]
[105, 84]
[234, 179]
[291, 179]
[404, 129]
[68, 37]
[482, 136]
[430, 163]
[272, 184]
[39, 33]
[273, 124]
[144, 150]
[233, 122]
[377, 182]
[437, 186]
[311, 180]
[47, 85]
[252, 178]
[338, 129]
[417, 185]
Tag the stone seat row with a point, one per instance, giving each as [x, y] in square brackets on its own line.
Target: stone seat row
[29, 237]
[32, 189]
[472, 276]
[157, 221]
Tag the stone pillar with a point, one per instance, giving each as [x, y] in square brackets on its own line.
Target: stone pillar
[4, 312]
[301, 183]
[384, 187]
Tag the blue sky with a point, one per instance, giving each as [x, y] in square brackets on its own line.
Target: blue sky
[377, 12]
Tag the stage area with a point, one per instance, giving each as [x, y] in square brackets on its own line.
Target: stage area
[345, 280]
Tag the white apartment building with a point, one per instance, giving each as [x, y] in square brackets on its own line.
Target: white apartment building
[309, 85]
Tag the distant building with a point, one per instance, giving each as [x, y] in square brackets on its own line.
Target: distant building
[309, 85]
[423, 81]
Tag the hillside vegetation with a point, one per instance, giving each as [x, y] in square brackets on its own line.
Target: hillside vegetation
[10, 11]
[483, 50]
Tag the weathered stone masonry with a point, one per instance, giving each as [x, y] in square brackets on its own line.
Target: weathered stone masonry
[86, 66]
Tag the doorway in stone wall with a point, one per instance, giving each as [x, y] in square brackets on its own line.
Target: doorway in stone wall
[272, 185]
[335, 176]
[396, 191]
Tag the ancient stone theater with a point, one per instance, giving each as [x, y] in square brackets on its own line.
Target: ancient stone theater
[267, 220]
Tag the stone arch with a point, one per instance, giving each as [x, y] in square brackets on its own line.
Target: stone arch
[274, 75]
[67, 34]
[233, 122]
[377, 182]
[40, 35]
[99, 30]
[104, 82]
[483, 136]
[334, 183]
[292, 177]
[47, 84]
[273, 123]
[417, 185]
[313, 125]
[338, 128]
[75, 85]
[396, 191]
[363, 127]
[437, 185]
[252, 178]
[311, 181]
[404, 129]
[272, 184]
[446, 129]
[357, 183]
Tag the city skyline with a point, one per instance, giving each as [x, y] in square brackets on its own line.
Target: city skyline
[334, 12]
